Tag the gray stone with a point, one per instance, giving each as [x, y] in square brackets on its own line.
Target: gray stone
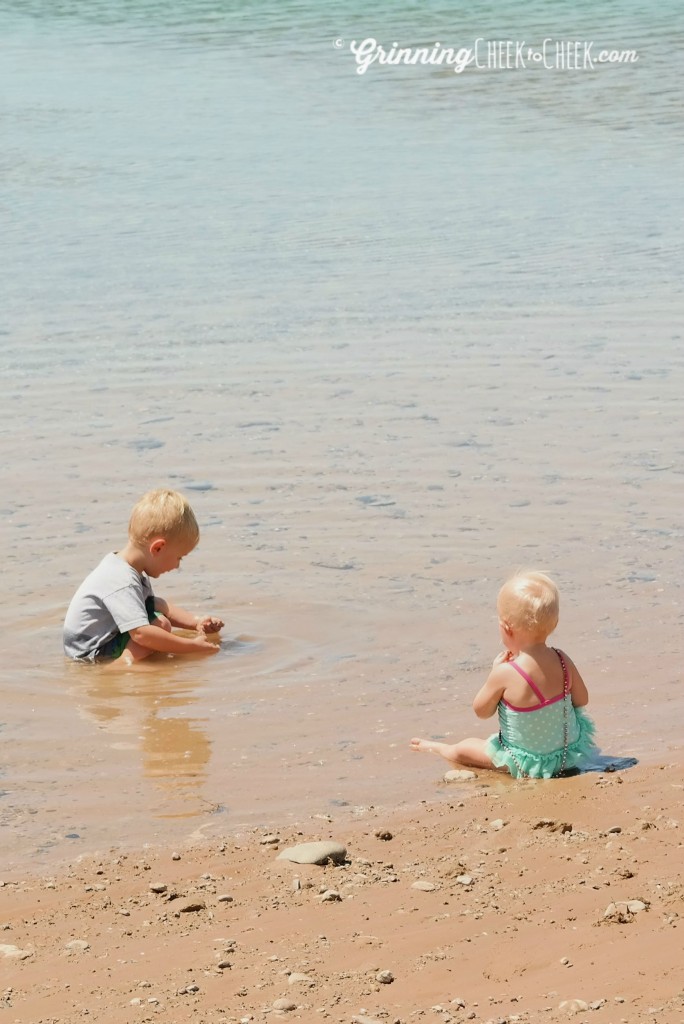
[497, 824]
[158, 887]
[464, 879]
[192, 907]
[361, 1018]
[314, 853]
[14, 951]
[284, 1004]
[300, 979]
[573, 1006]
[636, 906]
[459, 775]
[330, 896]
[424, 886]
[79, 945]
[384, 977]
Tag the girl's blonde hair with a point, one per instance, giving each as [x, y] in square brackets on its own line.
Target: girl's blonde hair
[530, 601]
[163, 513]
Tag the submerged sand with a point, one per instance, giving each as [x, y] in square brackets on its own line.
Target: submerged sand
[508, 924]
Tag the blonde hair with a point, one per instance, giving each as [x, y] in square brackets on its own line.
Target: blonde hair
[530, 601]
[163, 513]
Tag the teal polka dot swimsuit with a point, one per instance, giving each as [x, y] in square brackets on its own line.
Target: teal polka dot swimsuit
[531, 741]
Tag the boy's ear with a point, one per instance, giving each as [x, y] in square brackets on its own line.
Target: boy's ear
[157, 545]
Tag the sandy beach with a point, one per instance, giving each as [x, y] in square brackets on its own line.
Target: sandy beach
[508, 902]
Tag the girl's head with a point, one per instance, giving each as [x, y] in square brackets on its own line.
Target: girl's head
[528, 603]
[164, 514]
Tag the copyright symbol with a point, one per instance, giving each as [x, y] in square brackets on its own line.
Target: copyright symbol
[338, 43]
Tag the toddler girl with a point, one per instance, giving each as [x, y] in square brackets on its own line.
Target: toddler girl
[537, 691]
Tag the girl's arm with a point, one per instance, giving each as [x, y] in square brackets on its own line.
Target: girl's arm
[578, 689]
[487, 700]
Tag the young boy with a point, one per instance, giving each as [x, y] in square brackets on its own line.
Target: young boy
[114, 612]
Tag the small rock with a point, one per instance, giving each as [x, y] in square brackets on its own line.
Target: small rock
[78, 944]
[459, 775]
[573, 1006]
[300, 979]
[464, 879]
[361, 1018]
[423, 886]
[383, 833]
[384, 977]
[269, 840]
[225, 898]
[330, 896]
[597, 1004]
[137, 1001]
[458, 1003]
[192, 907]
[14, 951]
[614, 830]
[284, 1004]
[175, 856]
[314, 853]
[192, 988]
[223, 965]
[636, 906]
[497, 824]
[158, 887]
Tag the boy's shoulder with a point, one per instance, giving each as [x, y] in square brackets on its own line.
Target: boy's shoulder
[114, 570]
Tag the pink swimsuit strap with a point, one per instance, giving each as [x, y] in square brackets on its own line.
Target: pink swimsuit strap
[543, 702]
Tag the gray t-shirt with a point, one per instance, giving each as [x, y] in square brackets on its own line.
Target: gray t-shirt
[110, 601]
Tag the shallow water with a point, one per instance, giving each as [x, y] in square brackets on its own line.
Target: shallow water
[393, 334]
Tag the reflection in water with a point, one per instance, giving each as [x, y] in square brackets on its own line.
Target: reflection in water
[148, 707]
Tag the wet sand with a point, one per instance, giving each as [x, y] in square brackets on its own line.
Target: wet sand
[508, 922]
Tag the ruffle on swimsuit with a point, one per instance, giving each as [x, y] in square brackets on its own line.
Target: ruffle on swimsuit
[531, 740]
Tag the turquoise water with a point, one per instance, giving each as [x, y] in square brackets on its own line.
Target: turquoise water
[395, 333]
[163, 159]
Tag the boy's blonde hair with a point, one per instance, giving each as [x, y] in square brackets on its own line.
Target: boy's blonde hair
[163, 513]
[530, 601]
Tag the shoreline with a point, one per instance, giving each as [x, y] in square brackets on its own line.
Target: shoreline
[508, 919]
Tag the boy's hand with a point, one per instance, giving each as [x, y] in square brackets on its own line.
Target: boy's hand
[204, 646]
[209, 624]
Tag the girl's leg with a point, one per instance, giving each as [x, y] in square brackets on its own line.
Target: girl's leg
[470, 753]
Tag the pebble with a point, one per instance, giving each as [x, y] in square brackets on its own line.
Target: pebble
[284, 1004]
[459, 775]
[464, 879]
[14, 951]
[615, 830]
[497, 824]
[573, 1006]
[362, 1018]
[158, 887]
[269, 840]
[223, 965]
[80, 944]
[192, 988]
[300, 979]
[424, 886]
[175, 856]
[383, 833]
[314, 853]
[225, 898]
[192, 907]
[330, 896]
[384, 977]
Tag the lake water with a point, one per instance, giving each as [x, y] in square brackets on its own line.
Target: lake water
[394, 334]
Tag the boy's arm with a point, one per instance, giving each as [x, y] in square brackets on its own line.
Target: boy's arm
[487, 700]
[155, 639]
[181, 619]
